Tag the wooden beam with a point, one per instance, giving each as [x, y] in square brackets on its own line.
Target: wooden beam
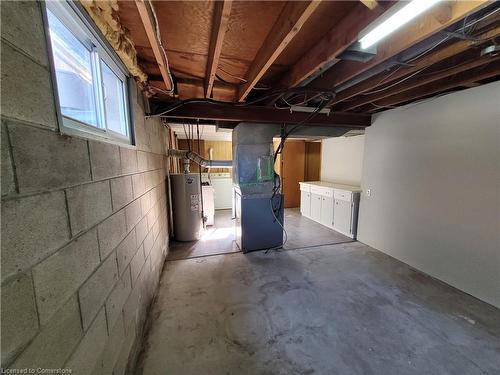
[149, 24]
[419, 29]
[370, 4]
[484, 72]
[292, 18]
[222, 10]
[331, 45]
[443, 13]
[220, 112]
[421, 63]
[420, 81]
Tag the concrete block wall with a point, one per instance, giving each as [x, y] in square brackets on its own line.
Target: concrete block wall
[83, 223]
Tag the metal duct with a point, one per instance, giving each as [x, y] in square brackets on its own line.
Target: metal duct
[194, 157]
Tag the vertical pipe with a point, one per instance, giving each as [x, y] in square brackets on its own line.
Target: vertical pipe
[199, 171]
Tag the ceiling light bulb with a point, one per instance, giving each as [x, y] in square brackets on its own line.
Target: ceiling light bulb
[398, 19]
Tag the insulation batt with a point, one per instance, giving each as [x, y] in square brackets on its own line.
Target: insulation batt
[105, 15]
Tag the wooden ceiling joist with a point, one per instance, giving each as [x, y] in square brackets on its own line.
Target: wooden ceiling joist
[420, 81]
[220, 112]
[419, 29]
[148, 21]
[220, 21]
[292, 18]
[340, 37]
[419, 64]
[459, 80]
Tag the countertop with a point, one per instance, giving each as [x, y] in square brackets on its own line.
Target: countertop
[333, 185]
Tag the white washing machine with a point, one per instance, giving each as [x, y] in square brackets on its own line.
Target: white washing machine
[208, 204]
[223, 189]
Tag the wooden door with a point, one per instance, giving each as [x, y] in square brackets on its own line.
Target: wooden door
[313, 161]
[293, 167]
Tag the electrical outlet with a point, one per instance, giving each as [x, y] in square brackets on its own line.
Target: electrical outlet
[368, 192]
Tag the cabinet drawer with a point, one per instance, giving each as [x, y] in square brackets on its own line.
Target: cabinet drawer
[320, 190]
[342, 195]
[327, 193]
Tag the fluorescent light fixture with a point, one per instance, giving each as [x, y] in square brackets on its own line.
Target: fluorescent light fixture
[394, 22]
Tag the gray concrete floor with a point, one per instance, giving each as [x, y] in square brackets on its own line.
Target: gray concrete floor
[220, 238]
[335, 309]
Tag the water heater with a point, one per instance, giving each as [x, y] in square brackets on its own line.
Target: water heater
[186, 206]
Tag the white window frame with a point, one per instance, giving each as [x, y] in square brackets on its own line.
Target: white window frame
[78, 23]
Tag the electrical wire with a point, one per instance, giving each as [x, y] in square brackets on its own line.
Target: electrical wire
[232, 83]
[382, 107]
[322, 105]
[277, 93]
[305, 99]
[393, 84]
[422, 54]
[232, 75]
[428, 50]
[279, 223]
[277, 186]
[158, 37]
[479, 19]
[185, 133]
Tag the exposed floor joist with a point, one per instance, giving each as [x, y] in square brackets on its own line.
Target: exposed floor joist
[424, 62]
[149, 24]
[289, 23]
[488, 71]
[421, 28]
[222, 11]
[221, 112]
[227, 50]
[420, 81]
[331, 45]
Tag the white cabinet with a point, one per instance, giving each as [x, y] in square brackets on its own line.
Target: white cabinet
[305, 199]
[326, 211]
[342, 216]
[305, 203]
[333, 205]
[315, 207]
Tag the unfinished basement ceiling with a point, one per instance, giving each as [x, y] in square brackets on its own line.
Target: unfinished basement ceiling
[264, 46]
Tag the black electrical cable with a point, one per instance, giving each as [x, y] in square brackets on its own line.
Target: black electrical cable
[284, 135]
[324, 103]
[275, 94]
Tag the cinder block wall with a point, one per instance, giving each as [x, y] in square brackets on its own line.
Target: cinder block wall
[83, 223]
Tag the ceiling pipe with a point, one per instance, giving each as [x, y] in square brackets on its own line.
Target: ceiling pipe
[194, 157]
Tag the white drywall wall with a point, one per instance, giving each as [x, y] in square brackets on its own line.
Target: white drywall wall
[342, 159]
[434, 173]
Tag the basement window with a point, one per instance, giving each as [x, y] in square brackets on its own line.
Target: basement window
[91, 83]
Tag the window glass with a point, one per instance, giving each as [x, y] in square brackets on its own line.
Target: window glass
[114, 100]
[73, 67]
